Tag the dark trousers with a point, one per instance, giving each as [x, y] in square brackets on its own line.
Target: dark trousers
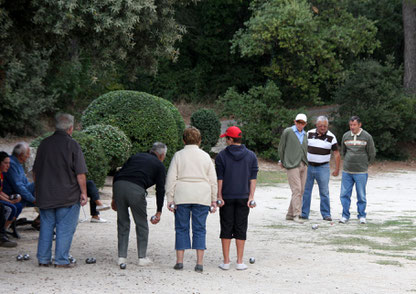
[92, 192]
[2, 222]
[234, 219]
[127, 194]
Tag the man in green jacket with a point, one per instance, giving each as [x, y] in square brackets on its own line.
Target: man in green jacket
[358, 150]
[293, 149]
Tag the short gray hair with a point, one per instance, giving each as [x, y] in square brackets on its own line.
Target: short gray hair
[321, 118]
[20, 148]
[64, 121]
[159, 148]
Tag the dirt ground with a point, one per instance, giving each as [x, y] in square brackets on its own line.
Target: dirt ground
[290, 257]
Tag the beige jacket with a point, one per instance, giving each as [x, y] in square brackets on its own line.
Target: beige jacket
[191, 177]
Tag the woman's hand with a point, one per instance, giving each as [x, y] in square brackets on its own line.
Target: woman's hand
[213, 207]
[171, 206]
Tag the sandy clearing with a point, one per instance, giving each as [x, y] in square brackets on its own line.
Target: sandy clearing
[288, 258]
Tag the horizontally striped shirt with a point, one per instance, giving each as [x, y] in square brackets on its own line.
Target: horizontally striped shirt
[319, 147]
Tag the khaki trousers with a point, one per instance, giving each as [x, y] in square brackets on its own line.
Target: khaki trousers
[297, 179]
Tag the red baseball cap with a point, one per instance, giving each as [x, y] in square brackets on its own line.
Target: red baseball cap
[233, 132]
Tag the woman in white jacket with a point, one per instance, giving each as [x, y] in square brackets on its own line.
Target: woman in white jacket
[191, 189]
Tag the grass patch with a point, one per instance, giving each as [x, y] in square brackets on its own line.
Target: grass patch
[350, 250]
[271, 177]
[276, 227]
[392, 235]
[408, 257]
[389, 262]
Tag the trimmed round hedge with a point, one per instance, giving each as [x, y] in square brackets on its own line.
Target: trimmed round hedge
[115, 143]
[180, 124]
[207, 122]
[95, 157]
[144, 119]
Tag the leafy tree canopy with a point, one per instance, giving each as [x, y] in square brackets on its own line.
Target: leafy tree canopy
[37, 37]
[307, 46]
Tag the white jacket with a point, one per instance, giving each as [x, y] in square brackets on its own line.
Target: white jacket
[191, 177]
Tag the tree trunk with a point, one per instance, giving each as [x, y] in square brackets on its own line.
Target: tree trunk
[409, 24]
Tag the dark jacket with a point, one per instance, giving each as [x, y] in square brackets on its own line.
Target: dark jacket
[145, 170]
[236, 166]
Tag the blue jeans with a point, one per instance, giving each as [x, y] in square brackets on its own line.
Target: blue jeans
[347, 183]
[321, 175]
[65, 219]
[199, 217]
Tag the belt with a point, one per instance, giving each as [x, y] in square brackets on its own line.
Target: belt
[317, 164]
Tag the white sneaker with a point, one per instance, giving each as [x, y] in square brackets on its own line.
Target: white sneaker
[241, 266]
[102, 207]
[122, 260]
[363, 221]
[298, 220]
[145, 261]
[343, 220]
[224, 266]
[100, 220]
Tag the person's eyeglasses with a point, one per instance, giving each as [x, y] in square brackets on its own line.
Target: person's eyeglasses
[301, 122]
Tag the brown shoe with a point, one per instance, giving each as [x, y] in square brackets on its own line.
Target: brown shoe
[289, 217]
[68, 265]
[328, 218]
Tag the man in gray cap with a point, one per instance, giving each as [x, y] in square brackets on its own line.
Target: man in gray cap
[293, 149]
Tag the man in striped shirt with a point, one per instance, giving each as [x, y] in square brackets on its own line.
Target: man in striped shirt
[320, 144]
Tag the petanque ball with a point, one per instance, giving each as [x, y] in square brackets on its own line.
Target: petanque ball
[153, 217]
[252, 260]
[19, 257]
[253, 203]
[123, 266]
[90, 260]
[26, 257]
[219, 202]
[172, 206]
[314, 226]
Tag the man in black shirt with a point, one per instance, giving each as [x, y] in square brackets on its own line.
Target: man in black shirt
[59, 173]
[140, 172]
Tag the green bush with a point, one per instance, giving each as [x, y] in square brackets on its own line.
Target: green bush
[141, 116]
[207, 122]
[261, 115]
[374, 92]
[115, 143]
[95, 156]
[180, 124]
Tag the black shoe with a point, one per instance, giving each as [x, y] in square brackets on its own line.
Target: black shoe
[178, 266]
[45, 264]
[328, 218]
[303, 217]
[199, 268]
[5, 242]
[14, 230]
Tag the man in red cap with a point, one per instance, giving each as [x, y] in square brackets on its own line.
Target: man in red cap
[237, 169]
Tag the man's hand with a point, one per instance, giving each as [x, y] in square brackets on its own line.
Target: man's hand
[84, 199]
[156, 218]
[113, 205]
[222, 202]
[335, 173]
